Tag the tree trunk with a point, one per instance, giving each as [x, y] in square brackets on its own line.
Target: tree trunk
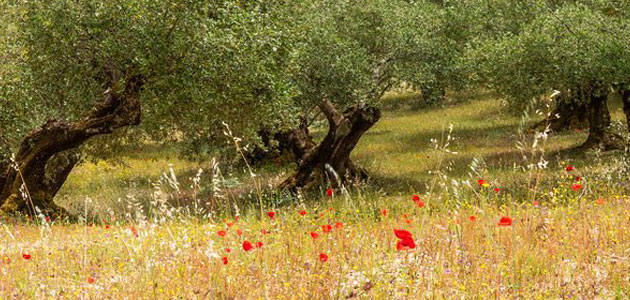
[46, 157]
[625, 98]
[4, 169]
[600, 135]
[331, 158]
[570, 112]
[297, 142]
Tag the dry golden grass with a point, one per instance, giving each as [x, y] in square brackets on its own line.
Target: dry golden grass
[578, 250]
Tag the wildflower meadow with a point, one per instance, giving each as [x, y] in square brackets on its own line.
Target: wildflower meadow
[314, 149]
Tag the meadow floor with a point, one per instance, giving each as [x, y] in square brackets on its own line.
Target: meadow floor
[578, 251]
[551, 233]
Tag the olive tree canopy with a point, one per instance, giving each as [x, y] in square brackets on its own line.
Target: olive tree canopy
[74, 70]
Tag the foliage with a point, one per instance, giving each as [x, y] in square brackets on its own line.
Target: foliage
[567, 45]
[350, 53]
[202, 63]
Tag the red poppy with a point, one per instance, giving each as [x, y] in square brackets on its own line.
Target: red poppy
[323, 257]
[481, 182]
[407, 221]
[239, 231]
[600, 201]
[26, 256]
[415, 198]
[134, 231]
[402, 234]
[228, 250]
[106, 226]
[314, 234]
[384, 212]
[569, 168]
[409, 243]
[236, 218]
[505, 221]
[399, 246]
[225, 260]
[271, 214]
[472, 218]
[326, 228]
[329, 192]
[535, 203]
[90, 280]
[578, 178]
[263, 231]
[259, 244]
[302, 213]
[221, 232]
[230, 224]
[405, 244]
[247, 246]
[338, 225]
[420, 203]
[576, 187]
[496, 190]
[47, 219]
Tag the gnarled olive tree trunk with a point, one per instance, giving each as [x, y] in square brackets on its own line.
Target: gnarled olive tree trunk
[625, 98]
[4, 169]
[570, 112]
[600, 135]
[46, 157]
[333, 153]
[297, 142]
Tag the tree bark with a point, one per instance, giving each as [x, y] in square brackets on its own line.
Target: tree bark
[600, 135]
[330, 160]
[296, 142]
[46, 157]
[570, 112]
[4, 169]
[625, 98]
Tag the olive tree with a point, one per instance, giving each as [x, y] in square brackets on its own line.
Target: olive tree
[74, 70]
[346, 57]
[576, 48]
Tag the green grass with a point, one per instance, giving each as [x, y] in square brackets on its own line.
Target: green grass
[397, 151]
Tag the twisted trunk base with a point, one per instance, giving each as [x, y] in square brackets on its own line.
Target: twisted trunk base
[46, 155]
[625, 98]
[330, 160]
[570, 113]
[296, 142]
[600, 135]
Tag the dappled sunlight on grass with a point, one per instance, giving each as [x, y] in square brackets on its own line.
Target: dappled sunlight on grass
[399, 146]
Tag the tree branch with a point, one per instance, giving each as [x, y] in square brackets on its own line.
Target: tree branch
[331, 113]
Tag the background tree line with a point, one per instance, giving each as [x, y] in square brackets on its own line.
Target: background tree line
[82, 80]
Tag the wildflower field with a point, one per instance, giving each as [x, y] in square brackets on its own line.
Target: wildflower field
[314, 149]
[465, 231]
